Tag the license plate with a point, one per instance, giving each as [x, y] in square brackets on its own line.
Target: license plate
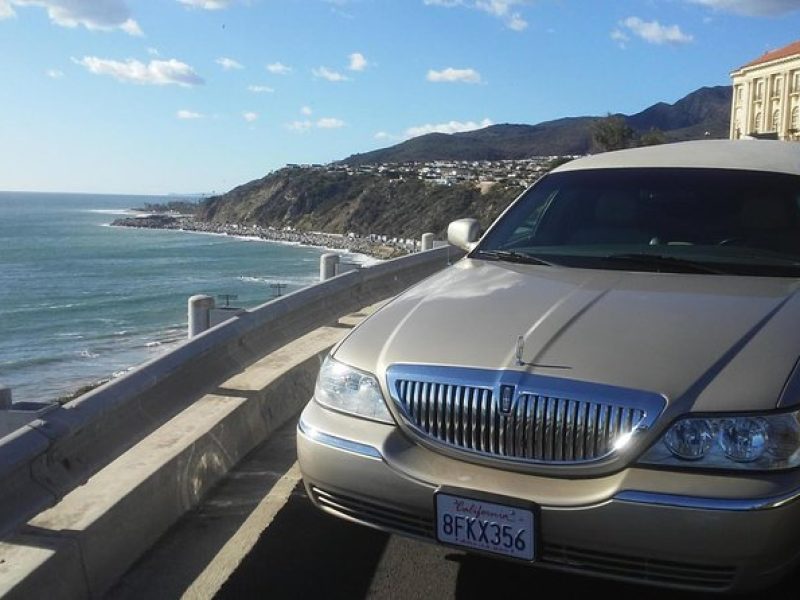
[486, 526]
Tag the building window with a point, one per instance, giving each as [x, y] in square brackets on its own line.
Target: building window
[776, 86]
[738, 94]
[776, 120]
[758, 122]
[796, 81]
[760, 90]
[796, 119]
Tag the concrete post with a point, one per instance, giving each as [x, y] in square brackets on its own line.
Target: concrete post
[427, 241]
[5, 398]
[327, 266]
[199, 308]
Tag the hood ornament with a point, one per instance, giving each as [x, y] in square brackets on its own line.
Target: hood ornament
[520, 350]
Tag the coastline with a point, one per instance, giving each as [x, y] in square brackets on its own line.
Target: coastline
[370, 246]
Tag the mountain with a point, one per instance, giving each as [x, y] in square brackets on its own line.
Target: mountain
[703, 113]
[337, 202]
[357, 196]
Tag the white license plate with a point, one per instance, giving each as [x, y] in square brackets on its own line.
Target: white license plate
[487, 526]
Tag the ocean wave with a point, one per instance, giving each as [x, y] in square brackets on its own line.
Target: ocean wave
[300, 281]
[115, 211]
[87, 354]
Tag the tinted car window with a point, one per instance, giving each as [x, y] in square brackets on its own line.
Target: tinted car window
[747, 221]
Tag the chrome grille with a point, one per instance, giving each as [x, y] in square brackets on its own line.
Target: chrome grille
[539, 427]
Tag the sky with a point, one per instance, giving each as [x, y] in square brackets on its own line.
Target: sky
[199, 96]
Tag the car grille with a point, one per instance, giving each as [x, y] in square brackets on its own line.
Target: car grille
[642, 569]
[372, 513]
[538, 428]
[590, 562]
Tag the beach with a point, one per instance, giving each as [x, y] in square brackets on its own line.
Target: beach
[375, 246]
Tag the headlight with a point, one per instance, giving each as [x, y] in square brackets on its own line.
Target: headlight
[349, 390]
[747, 442]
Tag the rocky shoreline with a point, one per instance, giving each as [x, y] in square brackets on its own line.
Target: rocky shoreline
[371, 246]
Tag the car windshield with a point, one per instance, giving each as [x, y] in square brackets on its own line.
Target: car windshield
[712, 221]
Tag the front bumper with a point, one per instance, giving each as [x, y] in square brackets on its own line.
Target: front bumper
[732, 533]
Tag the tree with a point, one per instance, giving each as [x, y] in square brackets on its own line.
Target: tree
[612, 133]
[653, 137]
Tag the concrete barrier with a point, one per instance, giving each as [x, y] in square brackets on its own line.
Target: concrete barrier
[79, 548]
[41, 462]
[199, 309]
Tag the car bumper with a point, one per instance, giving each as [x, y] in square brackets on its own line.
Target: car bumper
[731, 534]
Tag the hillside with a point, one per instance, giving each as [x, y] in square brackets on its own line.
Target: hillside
[329, 199]
[335, 202]
[704, 110]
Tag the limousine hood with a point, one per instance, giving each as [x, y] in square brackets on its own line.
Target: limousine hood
[714, 342]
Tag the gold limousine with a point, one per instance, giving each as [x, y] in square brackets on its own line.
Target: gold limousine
[607, 383]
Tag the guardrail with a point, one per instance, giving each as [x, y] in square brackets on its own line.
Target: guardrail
[46, 459]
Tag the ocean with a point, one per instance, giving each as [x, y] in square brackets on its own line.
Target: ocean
[81, 302]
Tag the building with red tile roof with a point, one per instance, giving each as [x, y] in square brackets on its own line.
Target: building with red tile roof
[766, 96]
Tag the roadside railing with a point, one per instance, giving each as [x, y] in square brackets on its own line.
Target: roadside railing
[46, 459]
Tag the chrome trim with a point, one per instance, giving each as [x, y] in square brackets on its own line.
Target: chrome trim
[339, 443]
[552, 421]
[727, 504]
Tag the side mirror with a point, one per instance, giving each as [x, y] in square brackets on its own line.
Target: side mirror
[464, 233]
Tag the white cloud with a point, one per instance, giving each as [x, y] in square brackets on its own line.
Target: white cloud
[156, 72]
[260, 89]
[383, 135]
[357, 62]
[301, 126]
[516, 22]
[152, 51]
[278, 68]
[228, 63]
[306, 110]
[752, 7]
[656, 33]
[206, 4]
[323, 123]
[449, 127]
[249, 116]
[620, 37]
[451, 75]
[328, 74]
[329, 123]
[188, 115]
[95, 15]
[501, 9]
[6, 10]
[54, 73]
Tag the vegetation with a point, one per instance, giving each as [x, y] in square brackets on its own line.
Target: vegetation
[184, 207]
[612, 133]
[334, 202]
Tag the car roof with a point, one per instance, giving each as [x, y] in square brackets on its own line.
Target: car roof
[751, 155]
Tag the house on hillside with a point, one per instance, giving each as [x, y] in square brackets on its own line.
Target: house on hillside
[766, 96]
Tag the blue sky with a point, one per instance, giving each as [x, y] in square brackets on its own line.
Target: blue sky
[161, 96]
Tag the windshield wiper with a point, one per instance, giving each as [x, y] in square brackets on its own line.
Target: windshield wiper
[682, 265]
[513, 256]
